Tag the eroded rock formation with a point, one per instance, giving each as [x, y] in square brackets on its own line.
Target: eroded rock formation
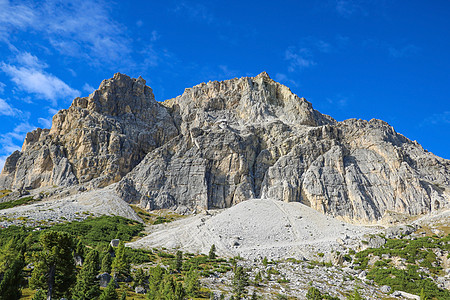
[221, 143]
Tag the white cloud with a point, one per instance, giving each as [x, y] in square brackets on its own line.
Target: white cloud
[437, 119]
[30, 61]
[2, 87]
[14, 16]
[78, 28]
[339, 101]
[8, 141]
[347, 8]
[88, 88]
[155, 36]
[8, 110]
[406, 51]
[195, 12]
[298, 59]
[41, 83]
[46, 123]
[283, 78]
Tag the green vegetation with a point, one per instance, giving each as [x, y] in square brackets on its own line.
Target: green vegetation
[21, 201]
[419, 263]
[54, 249]
[4, 193]
[316, 294]
[54, 269]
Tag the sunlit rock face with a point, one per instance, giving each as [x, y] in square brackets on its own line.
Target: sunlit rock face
[221, 143]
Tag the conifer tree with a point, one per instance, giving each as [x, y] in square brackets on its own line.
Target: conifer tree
[155, 281]
[87, 287]
[10, 286]
[120, 265]
[124, 296]
[40, 295]
[106, 263]
[110, 292]
[179, 261]
[180, 293]
[192, 283]
[168, 288]
[212, 252]
[54, 269]
[139, 277]
[240, 281]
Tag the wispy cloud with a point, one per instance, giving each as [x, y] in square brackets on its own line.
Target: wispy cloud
[194, 11]
[8, 110]
[2, 87]
[437, 119]
[283, 78]
[46, 123]
[14, 16]
[339, 101]
[78, 28]
[298, 58]
[401, 49]
[405, 51]
[30, 77]
[88, 88]
[10, 141]
[347, 8]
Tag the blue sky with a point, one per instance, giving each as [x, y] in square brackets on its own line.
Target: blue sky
[352, 59]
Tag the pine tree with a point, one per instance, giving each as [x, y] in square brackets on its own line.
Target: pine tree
[155, 281]
[124, 296]
[258, 278]
[110, 292]
[40, 295]
[192, 283]
[54, 269]
[168, 287]
[121, 265]
[240, 281]
[179, 261]
[139, 278]
[106, 263]
[180, 293]
[87, 287]
[212, 252]
[422, 295]
[10, 286]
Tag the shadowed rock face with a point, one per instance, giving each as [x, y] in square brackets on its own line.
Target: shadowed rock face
[221, 143]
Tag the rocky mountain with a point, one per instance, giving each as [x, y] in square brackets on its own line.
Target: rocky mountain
[222, 143]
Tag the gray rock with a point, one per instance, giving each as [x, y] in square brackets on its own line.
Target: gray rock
[114, 243]
[385, 289]
[140, 290]
[376, 242]
[221, 143]
[104, 279]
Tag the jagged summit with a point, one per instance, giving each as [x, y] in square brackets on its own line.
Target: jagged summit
[221, 143]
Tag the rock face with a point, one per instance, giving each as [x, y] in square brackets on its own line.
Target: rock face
[221, 143]
[99, 139]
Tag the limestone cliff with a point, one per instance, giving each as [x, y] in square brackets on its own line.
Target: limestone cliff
[99, 139]
[221, 143]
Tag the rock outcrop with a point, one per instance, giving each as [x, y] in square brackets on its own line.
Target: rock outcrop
[99, 139]
[221, 143]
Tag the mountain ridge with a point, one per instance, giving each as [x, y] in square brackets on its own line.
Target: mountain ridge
[221, 143]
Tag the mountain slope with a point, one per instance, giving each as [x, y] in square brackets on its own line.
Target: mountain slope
[222, 143]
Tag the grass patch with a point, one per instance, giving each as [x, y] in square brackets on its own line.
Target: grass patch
[21, 201]
[4, 193]
[157, 216]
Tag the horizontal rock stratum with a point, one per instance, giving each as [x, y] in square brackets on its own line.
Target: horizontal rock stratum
[221, 143]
